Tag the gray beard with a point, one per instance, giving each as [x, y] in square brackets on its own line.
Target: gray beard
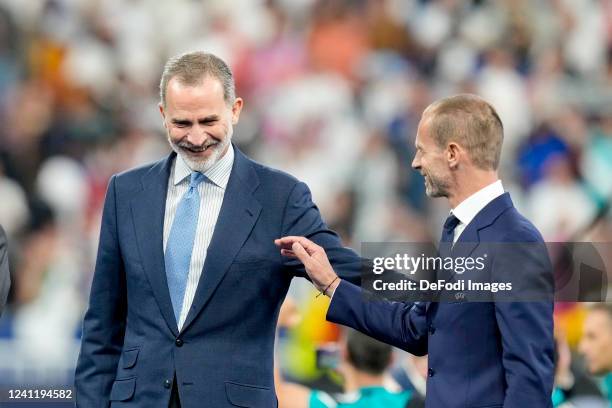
[202, 166]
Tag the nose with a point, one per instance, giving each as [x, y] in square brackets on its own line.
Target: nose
[416, 163]
[197, 135]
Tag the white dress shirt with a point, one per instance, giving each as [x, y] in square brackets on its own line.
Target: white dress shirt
[212, 191]
[471, 206]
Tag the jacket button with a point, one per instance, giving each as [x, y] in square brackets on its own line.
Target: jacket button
[167, 384]
[179, 342]
[432, 330]
[430, 372]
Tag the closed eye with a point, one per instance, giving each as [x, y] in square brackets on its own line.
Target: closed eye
[181, 123]
[211, 120]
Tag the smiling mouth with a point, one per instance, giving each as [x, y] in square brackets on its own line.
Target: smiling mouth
[197, 149]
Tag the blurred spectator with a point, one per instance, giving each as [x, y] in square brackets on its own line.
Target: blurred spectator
[46, 292]
[560, 185]
[572, 387]
[596, 345]
[364, 362]
[596, 162]
[411, 374]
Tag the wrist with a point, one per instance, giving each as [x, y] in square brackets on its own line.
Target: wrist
[327, 288]
[332, 288]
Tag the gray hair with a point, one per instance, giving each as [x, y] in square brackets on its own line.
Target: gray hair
[192, 67]
[471, 122]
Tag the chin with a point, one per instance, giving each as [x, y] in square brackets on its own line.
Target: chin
[598, 371]
[201, 165]
[431, 192]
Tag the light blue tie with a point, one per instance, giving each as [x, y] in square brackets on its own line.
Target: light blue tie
[180, 243]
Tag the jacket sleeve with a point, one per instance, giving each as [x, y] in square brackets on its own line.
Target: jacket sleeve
[525, 322]
[403, 325]
[105, 319]
[302, 218]
[5, 277]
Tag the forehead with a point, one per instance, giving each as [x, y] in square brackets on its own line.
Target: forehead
[599, 321]
[423, 137]
[207, 94]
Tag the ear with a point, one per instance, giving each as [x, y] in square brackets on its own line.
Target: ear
[236, 109]
[163, 114]
[453, 155]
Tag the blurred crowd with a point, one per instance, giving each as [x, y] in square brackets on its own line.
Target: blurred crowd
[334, 90]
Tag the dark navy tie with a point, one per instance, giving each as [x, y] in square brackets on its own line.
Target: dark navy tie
[449, 228]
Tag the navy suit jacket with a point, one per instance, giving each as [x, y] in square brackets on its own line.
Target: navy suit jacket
[481, 354]
[5, 277]
[223, 356]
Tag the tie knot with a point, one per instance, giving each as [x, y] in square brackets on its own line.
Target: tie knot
[450, 223]
[196, 179]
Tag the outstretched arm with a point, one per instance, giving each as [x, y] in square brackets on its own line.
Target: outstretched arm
[399, 324]
[301, 217]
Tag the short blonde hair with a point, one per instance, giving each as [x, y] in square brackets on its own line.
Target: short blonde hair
[471, 122]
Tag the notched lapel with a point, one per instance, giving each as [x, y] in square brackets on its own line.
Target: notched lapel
[148, 208]
[470, 238]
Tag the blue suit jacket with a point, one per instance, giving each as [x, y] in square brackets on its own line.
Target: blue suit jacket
[481, 354]
[223, 356]
[5, 277]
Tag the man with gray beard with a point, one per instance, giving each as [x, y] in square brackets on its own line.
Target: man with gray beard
[188, 282]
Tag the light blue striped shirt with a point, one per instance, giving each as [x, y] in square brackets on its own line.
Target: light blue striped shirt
[212, 191]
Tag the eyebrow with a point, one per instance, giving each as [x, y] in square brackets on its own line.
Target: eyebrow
[207, 119]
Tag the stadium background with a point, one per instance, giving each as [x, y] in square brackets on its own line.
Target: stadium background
[333, 90]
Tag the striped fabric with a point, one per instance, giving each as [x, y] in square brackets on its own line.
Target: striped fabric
[211, 191]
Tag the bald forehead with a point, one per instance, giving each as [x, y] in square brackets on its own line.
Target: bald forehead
[599, 317]
[423, 130]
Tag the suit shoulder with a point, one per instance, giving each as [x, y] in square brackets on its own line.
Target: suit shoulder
[274, 178]
[131, 179]
[517, 228]
[135, 174]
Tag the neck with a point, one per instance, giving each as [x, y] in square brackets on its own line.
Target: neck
[354, 380]
[470, 183]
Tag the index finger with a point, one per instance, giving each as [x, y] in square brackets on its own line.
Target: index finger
[287, 242]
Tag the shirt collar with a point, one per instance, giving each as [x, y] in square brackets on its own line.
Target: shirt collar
[218, 174]
[471, 206]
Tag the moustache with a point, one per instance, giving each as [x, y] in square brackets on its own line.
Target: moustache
[195, 148]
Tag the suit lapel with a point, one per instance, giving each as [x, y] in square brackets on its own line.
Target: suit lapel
[470, 237]
[239, 212]
[148, 208]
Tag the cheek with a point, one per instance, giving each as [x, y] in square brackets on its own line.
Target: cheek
[221, 130]
[426, 165]
[176, 133]
[436, 166]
